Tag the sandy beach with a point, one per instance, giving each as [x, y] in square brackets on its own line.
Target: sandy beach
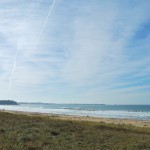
[26, 131]
[139, 123]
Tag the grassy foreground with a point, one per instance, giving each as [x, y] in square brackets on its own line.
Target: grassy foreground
[22, 132]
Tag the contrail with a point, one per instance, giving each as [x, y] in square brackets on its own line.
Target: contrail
[13, 69]
[15, 57]
[45, 22]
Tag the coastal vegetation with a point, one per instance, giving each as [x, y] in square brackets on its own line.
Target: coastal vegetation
[37, 132]
[8, 102]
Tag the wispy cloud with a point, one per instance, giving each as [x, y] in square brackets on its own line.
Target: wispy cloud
[89, 51]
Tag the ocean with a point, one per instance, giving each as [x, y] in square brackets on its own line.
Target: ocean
[137, 112]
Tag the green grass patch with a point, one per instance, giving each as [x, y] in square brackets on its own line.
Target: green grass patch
[21, 132]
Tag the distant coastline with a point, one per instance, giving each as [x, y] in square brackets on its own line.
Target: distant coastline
[8, 102]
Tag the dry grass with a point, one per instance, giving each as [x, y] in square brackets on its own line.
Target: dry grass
[22, 132]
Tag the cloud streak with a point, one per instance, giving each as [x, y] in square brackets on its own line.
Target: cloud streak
[40, 34]
[50, 10]
[90, 51]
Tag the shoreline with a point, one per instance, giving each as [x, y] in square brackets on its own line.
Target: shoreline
[137, 123]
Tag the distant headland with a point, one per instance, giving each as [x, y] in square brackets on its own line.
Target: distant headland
[8, 102]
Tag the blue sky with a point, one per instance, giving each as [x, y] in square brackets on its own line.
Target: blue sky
[83, 51]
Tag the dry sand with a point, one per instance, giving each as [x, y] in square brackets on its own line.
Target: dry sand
[140, 123]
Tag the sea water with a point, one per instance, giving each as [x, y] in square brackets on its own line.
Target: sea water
[138, 112]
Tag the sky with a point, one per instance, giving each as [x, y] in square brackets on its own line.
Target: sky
[82, 51]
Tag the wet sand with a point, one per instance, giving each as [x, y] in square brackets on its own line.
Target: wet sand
[139, 123]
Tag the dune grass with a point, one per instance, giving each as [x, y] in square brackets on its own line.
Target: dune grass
[22, 132]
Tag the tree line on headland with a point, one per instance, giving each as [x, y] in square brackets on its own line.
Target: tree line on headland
[8, 102]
